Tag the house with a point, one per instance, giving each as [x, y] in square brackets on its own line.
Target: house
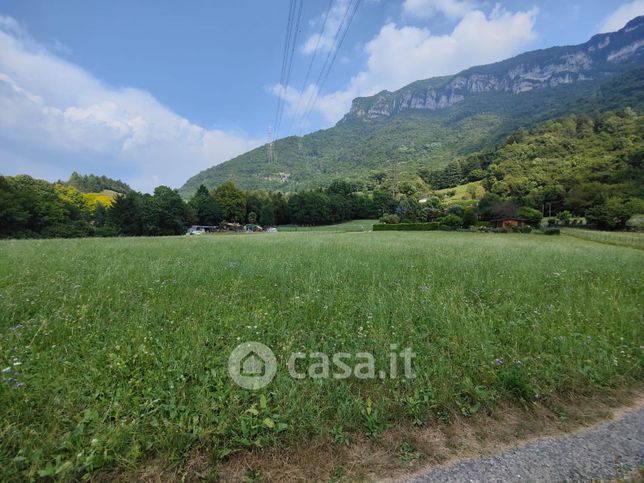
[508, 222]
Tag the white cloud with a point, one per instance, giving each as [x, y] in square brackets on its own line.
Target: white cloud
[622, 15]
[452, 9]
[55, 118]
[399, 55]
[324, 42]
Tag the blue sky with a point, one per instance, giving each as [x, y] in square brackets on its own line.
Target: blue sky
[154, 91]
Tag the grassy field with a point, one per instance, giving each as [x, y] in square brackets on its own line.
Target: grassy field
[114, 351]
[625, 239]
[461, 193]
[349, 226]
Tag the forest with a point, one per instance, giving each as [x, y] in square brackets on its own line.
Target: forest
[577, 166]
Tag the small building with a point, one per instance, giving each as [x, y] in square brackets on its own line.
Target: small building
[231, 227]
[508, 222]
[201, 229]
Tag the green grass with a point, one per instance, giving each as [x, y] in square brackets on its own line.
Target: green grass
[625, 239]
[122, 344]
[349, 226]
[461, 192]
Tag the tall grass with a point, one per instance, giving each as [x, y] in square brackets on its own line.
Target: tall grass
[625, 239]
[349, 226]
[122, 344]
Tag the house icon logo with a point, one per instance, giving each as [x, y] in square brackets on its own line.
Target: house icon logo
[252, 365]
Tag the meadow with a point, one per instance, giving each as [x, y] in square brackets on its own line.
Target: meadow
[620, 238]
[114, 351]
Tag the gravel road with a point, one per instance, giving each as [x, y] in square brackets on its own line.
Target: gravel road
[603, 452]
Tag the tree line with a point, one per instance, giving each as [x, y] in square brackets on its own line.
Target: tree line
[32, 208]
[590, 166]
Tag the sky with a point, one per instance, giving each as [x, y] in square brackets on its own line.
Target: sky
[154, 91]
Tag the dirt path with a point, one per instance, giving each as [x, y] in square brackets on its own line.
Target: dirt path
[606, 451]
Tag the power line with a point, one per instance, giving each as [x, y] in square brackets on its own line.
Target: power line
[289, 26]
[289, 52]
[313, 57]
[338, 39]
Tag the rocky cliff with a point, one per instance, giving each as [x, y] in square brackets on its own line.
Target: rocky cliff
[599, 57]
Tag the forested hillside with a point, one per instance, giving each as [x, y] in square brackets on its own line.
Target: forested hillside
[575, 163]
[432, 122]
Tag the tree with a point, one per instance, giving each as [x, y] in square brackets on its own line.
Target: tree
[486, 205]
[206, 209]
[99, 214]
[469, 217]
[232, 202]
[310, 208]
[612, 214]
[410, 211]
[170, 211]
[267, 216]
[279, 205]
[340, 187]
[14, 215]
[451, 221]
[383, 202]
[125, 215]
[531, 216]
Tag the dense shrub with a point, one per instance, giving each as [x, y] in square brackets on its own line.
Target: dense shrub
[390, 219]
[551, 231]
[451, 221]
[530, 215]
[408, 227]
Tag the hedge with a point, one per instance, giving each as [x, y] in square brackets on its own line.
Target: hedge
[408, 227]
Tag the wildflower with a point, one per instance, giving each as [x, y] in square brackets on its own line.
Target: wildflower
[6, 370]
[498, 361]
[19, 384]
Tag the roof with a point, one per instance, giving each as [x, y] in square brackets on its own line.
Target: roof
[506, 218]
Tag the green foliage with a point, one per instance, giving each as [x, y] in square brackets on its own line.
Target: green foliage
[530, 215]
[390, 219]
[611, 214]
[572, 164]
[31, 208]
[168, 212]
[95, 184]
[450, 221]
[551, 231]
[469, 217]
[363, 149]
[206, 209]
[232, 201]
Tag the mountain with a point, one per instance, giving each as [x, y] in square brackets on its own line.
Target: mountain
[430, 122]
